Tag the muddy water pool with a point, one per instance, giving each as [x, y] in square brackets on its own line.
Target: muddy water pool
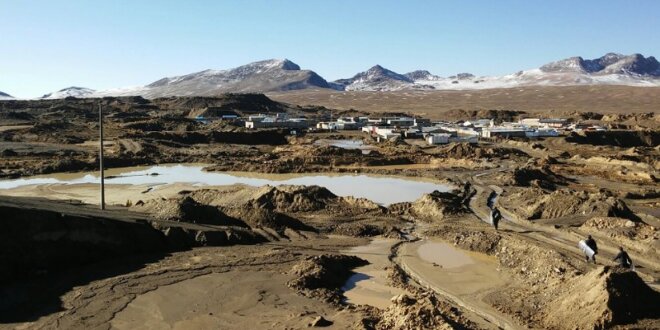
[380, 189]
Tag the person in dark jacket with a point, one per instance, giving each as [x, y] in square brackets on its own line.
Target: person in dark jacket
[495, 217]
[591, 243]
[624, 258]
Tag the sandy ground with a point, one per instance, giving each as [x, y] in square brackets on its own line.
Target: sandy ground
[228, 300]
[439, 104]
[214, 287]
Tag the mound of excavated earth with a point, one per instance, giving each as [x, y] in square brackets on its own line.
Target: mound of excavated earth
[602, 298]
[186, 209]
[626, 139]
[407, 312]
[285, 198]
[534, 203]
[322, 276]
[434, 206]
[466, 150]
[531, 175]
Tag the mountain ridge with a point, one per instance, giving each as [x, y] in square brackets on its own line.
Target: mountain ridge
[277, 75]
[72, 91]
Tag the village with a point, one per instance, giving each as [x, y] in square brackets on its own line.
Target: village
[433, 132]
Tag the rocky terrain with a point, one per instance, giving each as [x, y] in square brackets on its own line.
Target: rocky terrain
[206, 255]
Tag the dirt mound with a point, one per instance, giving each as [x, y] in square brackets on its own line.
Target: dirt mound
[286, 199]
[530, 175]
[626, 139]
[292, 198]
[434, 206]
[424, 312]
[242, 103]
[534, 203]
[334, 151]
[359, 229]
[622, 227]
[322, 276]
[466, 150]
[258, 217]
[179, 238]
[634, 235]
[186, 209]
[603, 298]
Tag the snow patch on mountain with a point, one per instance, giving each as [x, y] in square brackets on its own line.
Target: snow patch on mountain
[610, 69]
[377, 78]
[79, 92]
[259, 77]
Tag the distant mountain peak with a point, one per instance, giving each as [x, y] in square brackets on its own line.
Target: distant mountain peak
[375, 78]
[260, 76]
[274, 75]
[419, 75]
[610, 63]
[5, 96]
[284, 64]
[72, 91]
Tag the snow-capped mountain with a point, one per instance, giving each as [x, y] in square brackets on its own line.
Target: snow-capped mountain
[611, 63]
[610, 69]
[262, 76]
[79, 92]
[5, 96]
[282, 75]
[376, 78]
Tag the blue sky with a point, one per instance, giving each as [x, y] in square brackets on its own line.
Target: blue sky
[49, 45]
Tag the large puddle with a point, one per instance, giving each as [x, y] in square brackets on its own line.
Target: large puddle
[346, 144]
[466, 277]
[457, 271]
[369, 285]
[380, 189]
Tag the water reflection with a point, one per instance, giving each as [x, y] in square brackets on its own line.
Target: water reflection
[380, 189]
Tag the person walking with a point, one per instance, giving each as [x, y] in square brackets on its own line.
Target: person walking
[591, 243]
[624, 258]
[495, 217]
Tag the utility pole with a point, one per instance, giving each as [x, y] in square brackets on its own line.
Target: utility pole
[101, 156]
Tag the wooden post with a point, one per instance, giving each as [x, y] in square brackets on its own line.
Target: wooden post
[101, 156]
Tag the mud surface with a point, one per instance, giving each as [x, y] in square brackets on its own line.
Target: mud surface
[399, 237]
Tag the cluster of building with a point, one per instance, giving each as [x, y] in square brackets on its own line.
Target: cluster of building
[440, 132]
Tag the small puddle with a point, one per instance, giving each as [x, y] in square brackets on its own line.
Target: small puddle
[369, 285]
[346, 144]
[380, 189]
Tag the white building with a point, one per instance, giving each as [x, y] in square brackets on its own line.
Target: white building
[503, 131]
[542, 132]
[438, 138]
